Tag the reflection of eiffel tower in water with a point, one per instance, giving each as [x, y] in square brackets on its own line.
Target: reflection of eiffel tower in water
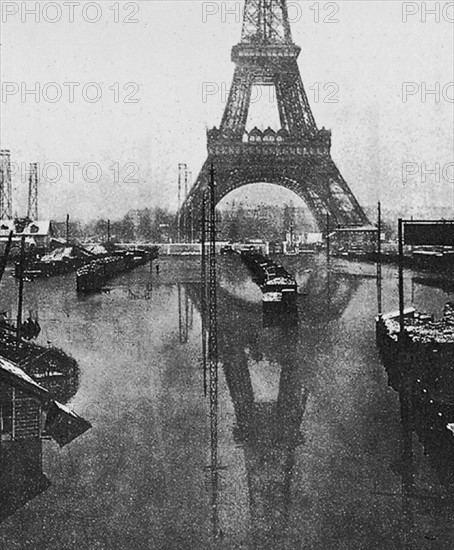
[269, 434]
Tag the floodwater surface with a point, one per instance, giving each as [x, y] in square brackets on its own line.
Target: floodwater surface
[310, 438]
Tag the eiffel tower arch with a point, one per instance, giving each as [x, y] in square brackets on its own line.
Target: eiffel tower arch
[297, 156]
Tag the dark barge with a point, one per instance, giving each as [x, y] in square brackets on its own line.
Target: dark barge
[54, 369]
[420, 366]
[418, 351]
[93, 276]
[59, 262]
[275, 282]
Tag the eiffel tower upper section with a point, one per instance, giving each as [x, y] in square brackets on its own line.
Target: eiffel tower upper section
[267, 55]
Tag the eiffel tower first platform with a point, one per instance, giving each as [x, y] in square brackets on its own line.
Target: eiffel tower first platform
[297, 156]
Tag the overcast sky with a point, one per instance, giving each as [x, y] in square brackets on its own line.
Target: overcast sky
[168, 55]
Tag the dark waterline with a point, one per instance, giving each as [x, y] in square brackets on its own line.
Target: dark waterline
[310, 432]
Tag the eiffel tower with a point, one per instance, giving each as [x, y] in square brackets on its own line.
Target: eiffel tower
[297, 156]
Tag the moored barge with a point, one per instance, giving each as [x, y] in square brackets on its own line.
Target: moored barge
[421, 357]
[58, 262]
[93, 276]
[276, 284]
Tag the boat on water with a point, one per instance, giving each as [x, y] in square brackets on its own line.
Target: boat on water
[56, 371]
[93, 276]
[60, 261]
[417, 349]
[278, 287]
[422, 356]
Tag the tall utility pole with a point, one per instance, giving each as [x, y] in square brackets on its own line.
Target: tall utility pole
[378, 259]
[328, 203]
[182, 170]
[21, 293]
[187, 180]
[209, 335]
[6, 201]
[32, 212]
[213, 351]
[203, 291]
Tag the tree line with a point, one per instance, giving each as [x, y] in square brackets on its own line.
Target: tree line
[145, 225]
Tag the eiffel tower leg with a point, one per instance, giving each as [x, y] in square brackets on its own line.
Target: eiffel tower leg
[237, 108]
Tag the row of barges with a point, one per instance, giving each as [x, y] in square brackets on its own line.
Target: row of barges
[93, 276]
[60, 261]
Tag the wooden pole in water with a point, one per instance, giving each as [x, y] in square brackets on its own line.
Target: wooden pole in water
[108, 231]
[401, 276]
[21, 293]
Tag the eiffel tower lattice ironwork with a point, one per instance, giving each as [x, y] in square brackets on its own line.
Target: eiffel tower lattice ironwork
[297, 156]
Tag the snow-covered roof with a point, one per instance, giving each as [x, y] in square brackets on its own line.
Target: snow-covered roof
[58, 254]
[97, 249]
[15, 374]
[38, 228]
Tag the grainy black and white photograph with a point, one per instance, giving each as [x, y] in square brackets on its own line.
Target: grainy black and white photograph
[226, 275]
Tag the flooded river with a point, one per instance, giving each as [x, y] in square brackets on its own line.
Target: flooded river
[310, 432]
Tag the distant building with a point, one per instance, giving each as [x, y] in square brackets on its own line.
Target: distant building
[354, 239]
[38, 234]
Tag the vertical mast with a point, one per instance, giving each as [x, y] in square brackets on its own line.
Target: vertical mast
[378, 260]
[203, 293]
[401, 278]
[21, 293]
[32, 211]
[213, 353]
[6, 204]
[67, 229]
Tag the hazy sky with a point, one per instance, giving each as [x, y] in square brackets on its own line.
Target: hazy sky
[168, 55]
